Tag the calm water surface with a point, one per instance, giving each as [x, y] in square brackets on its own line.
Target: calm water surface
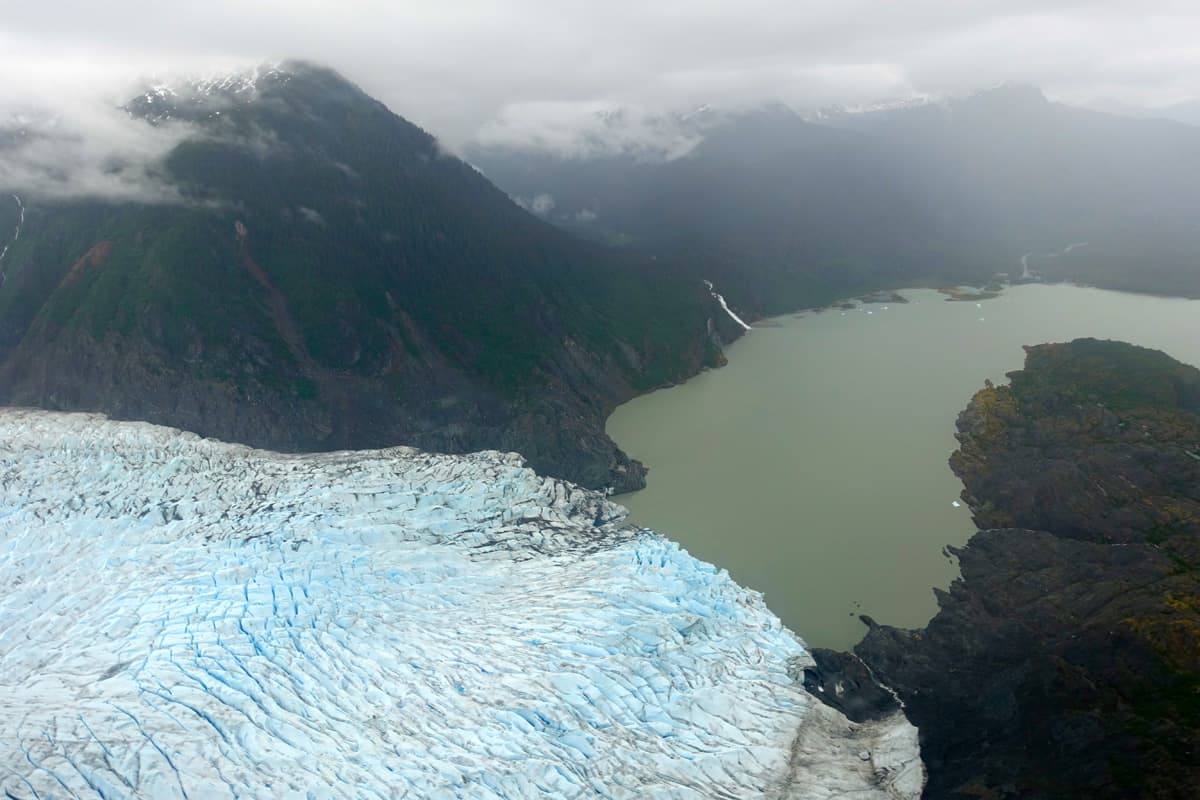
[813, 466]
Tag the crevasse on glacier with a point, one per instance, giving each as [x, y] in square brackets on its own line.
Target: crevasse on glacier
[185, 618]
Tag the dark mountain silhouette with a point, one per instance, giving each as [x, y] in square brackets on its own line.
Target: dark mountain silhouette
[787, 211]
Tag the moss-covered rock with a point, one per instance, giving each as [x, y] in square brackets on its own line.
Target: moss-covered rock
[1065, 662]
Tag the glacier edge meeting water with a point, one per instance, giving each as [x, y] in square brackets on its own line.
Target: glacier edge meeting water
[186, 618]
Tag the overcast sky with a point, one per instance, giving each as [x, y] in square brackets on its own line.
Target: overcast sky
[454, 65]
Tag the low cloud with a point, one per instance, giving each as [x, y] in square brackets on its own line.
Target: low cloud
[541, 205]
[65, 135]
[65, 132]
[310, 215]
[549, 72]
[589, 130]
[93, 153]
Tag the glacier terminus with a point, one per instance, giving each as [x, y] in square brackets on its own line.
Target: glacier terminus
[185, 618]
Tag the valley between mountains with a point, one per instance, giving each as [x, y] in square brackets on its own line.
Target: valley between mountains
[304, 478]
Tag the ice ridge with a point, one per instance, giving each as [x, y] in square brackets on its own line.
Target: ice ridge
[186, 618]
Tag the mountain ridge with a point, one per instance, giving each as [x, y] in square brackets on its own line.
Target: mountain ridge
[790, 211]
[334, 279]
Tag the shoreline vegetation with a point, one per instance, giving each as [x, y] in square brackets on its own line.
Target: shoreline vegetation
[963, 294]
[959, 293]
[1076, 623]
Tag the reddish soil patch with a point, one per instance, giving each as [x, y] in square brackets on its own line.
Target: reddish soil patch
[90, 260]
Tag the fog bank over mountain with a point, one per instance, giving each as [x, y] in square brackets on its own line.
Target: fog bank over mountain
[454, 68]
[788, 209]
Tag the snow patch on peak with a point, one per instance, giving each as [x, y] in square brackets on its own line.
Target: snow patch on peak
[833, 112]
[244, 81]
[184, 617]
[169, 98]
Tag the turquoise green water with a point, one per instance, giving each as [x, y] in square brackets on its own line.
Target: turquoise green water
[813, 466]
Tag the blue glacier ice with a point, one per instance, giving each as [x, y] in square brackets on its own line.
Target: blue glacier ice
[186, 618]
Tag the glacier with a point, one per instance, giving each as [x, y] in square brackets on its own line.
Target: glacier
[181, 617]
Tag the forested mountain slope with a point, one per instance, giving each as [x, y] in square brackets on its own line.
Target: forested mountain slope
[324, 276]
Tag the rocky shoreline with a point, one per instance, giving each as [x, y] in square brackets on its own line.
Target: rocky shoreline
[1065, 662]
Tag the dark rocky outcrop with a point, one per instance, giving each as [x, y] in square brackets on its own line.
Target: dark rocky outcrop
[843, 681]
[1092, 440]
[1065, 662]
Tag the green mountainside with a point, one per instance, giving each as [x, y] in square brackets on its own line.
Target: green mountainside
[331, 278]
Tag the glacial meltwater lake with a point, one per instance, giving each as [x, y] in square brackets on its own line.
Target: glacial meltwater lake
[813, 466]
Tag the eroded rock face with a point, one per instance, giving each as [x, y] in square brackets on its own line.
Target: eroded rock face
[1092, 440]
[843, 681]
[1066, 660]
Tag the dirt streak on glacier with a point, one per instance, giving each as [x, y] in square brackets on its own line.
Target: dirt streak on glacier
[186, 618]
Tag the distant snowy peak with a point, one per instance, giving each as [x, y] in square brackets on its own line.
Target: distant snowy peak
[878, 107]
[581, 131]
[244, 82]
[1009, 97]
[165, 99]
